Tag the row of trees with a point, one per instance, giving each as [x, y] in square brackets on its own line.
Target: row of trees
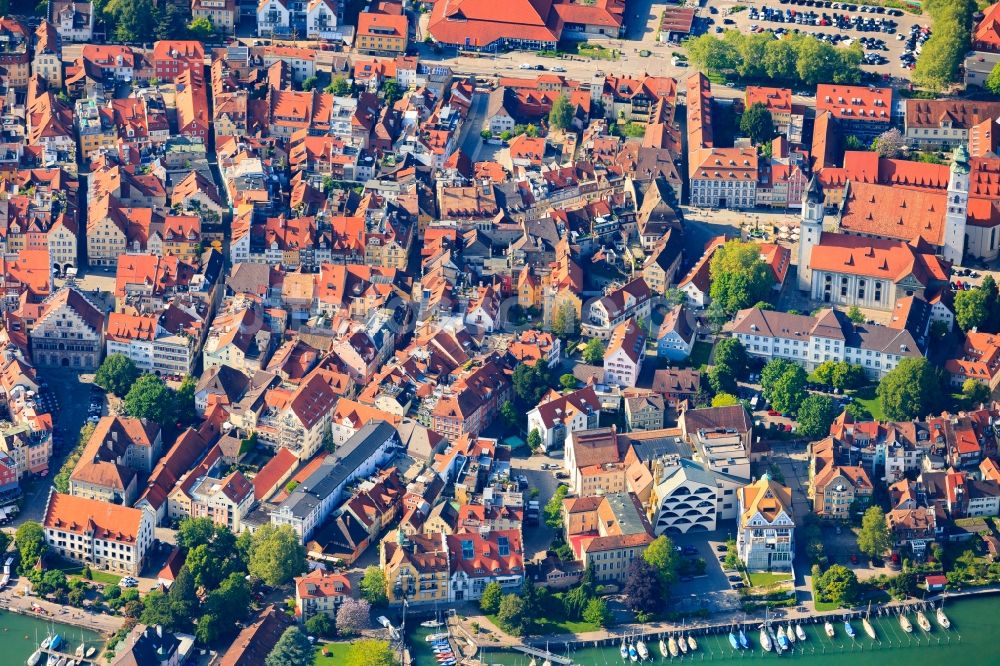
[793, 60]
[941, 56]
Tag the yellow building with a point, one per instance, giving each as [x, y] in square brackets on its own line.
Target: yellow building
[529, 291]
[382, 34]
[415, 567]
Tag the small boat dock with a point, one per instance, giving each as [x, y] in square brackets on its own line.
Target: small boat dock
[535, 652]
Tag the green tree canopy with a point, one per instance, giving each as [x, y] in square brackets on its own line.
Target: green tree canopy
[642, 587]
[729, 364]
[757, 123]
[597, 612]
[292, 649]
[910, 390]
[874, 538]
[30, 542]
[724, 400]
[511, 616]
[565, 323]
[975, 392]
[373, 586]
[201, 29]
[370, 652]
[554, 507]
[149, 398]
[489, 602]
[561, 114]
[320, 625]
[739, 277]
[660, 555]
[816, 413]
[838, 585]
[784, 384]
[971, 309]
[531, 381]
[116, 374]
[593, 352]
[992, 82]
[339, 86]
[276, 555]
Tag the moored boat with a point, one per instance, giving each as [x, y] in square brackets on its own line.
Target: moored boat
[436, 637]
[663, 649]
[923, 622]
[783, 639]
[790, 633]
[869, 629]
[624, 651]
[432, 624]
[641, 648]
[942, 619]
[682, 644]
[35, 657]
[744, 641]
[848, 628]
[632, 654]
[828, 628]
[800, 633]
[672, 646]
[734, 641]
[692, 643]
[905, 623]
[765, 640]
[79, 650]
[91, 651]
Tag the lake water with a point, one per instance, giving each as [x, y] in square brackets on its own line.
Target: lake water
[972, 640]
[17, 637]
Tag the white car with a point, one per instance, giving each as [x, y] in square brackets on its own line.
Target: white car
[559, 69]
[525, 65]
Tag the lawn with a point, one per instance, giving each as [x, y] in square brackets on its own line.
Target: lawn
[338, 654]
[551, 626]
[824, 606]
[73, 570]
[866, 398]
[766, 579]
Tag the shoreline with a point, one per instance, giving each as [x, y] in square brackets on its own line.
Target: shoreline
[707, 626]
[103, 625]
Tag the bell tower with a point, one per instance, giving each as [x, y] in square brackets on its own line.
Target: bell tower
[810, 229]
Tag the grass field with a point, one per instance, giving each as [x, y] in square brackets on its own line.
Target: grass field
[824, 606]
[766, 579]
[550, 626]
[866, 397]
[73, 570]
[338, 654]
[699, 355]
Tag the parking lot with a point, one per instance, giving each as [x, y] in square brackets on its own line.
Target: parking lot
[887, 33]
[713, 591]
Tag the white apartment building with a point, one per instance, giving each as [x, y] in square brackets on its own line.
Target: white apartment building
[99, 534]
[766, 536]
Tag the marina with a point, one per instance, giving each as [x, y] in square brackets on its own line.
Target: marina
[966, 640]
[22, 636]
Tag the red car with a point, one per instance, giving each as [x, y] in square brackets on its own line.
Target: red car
[771, 412]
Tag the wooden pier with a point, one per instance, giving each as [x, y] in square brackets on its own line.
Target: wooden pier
[535, 652]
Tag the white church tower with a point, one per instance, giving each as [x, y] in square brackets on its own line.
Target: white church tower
[958, 206]
[810, 230]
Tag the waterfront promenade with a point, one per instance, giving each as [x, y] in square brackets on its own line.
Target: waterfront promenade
[494, 638]
[18, 603]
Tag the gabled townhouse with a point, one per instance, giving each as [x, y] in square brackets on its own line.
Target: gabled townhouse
[607, 533]
[47, 59]
[416, 567]
[68, 332]
[472, 401]
[677, 334]
[116, 460]
[625, 354]
[239, 337]
[480, 557]
[150, 345]
[557, 415]
[74, 21]
[320, 592]
[765, 539]
[631, 300]
[171, 58]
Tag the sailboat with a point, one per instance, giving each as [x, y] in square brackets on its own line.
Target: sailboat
[744, 641]
[624, 650]
[904, 622]
[765, 640]
[663, 649]
[783, 639]
[733, 640]
[942, 619]
[923, 622]
[867, 625]
[672, 646]
[632, 654]
[432, 624]
[35, 657]
[828, 627]
[692, 643]
[848, 628]
[800, 633]
[682, 644]
[91, 651]
[643, 650]
[790, 633]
